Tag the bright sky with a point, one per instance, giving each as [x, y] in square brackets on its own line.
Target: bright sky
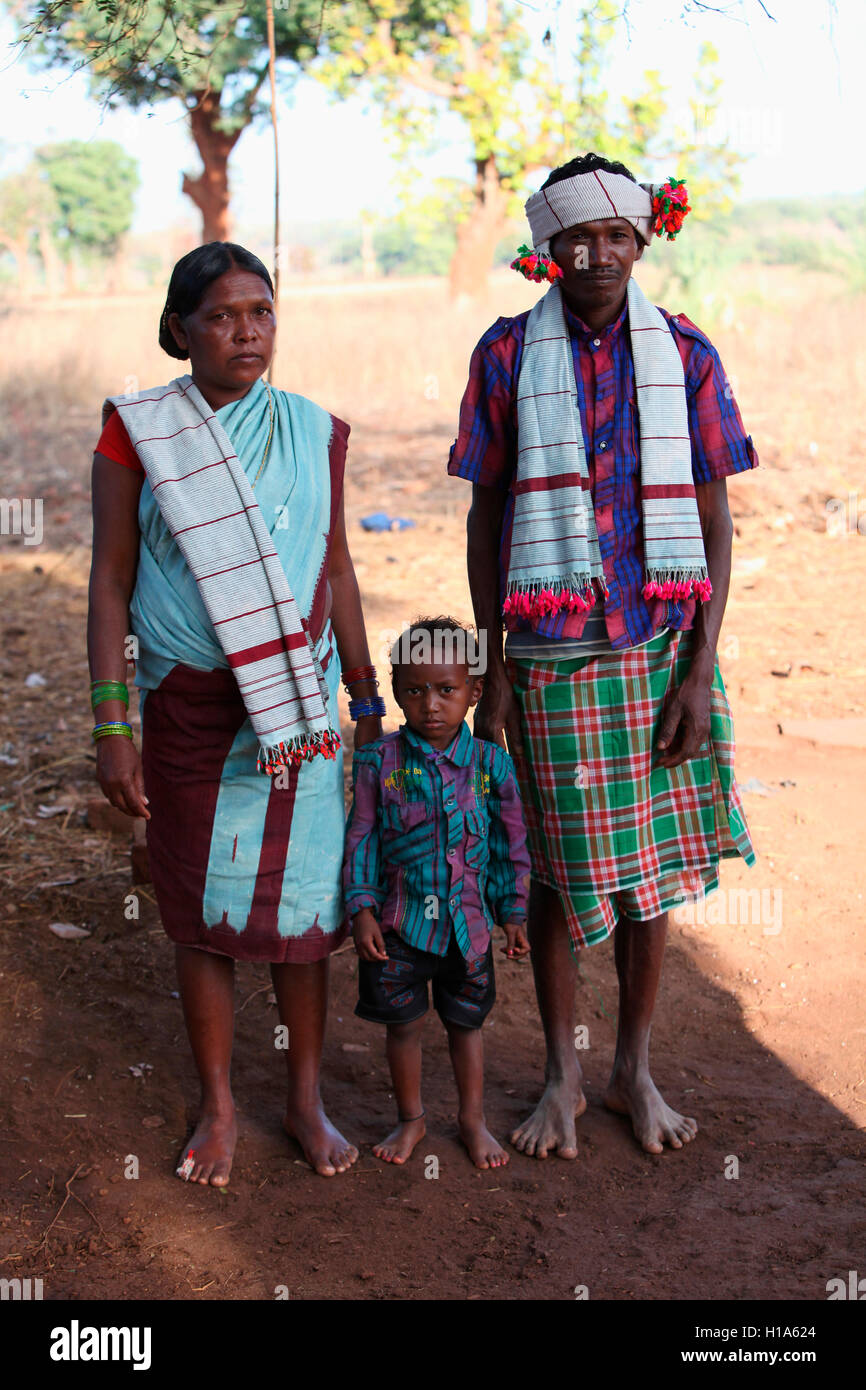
[788, 103]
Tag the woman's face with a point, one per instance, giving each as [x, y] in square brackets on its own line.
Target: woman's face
[230, 336]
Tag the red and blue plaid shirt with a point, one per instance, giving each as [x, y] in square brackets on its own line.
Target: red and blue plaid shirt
[485, 452]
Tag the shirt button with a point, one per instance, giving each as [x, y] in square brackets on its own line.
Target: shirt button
[596, 342]
[602, 446]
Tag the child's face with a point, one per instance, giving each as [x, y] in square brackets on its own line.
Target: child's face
[435, 699]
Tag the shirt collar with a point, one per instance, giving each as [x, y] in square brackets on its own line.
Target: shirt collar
[459, 751]
[579, 329]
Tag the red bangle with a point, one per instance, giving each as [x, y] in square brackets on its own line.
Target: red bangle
[358, 674]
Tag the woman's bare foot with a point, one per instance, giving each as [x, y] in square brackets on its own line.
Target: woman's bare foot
[653, 1121]
[207, 1154]
[324, 1147]
[401, 1141]
[483, 1149]
[550, 1128]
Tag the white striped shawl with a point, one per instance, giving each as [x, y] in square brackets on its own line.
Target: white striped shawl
[210, 509]
[555, 554]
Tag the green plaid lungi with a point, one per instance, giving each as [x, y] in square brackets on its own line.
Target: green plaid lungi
[614, 833]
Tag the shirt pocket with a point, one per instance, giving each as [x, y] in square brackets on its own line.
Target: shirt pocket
[408, 831]
[476, 847]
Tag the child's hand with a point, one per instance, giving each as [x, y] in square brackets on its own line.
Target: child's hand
[367, 935]
[516, 943]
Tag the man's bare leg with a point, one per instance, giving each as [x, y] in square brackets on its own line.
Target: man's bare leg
[639, 949]
[550, 1128]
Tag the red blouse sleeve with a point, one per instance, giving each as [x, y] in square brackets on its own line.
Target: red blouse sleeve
[115, 444]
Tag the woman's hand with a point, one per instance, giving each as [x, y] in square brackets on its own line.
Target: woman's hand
[368, 728]
[119, 774]
[367, 935]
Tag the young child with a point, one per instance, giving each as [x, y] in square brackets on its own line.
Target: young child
[435, 856]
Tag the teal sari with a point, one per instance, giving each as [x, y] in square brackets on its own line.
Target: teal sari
[243, 864]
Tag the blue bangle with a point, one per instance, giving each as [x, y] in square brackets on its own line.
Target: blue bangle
[372, 704]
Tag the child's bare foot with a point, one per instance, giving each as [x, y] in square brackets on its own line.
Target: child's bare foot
[401, 1141]
[324, 1147]
[653, 1121]
[207, 1154]
[483, 1148]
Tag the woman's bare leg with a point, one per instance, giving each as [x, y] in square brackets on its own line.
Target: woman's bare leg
[206, 983]
[302, 998]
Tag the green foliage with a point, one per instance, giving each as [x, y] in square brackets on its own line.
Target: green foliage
[803, 233]
[422, 239]
[143, 51]
[93, 184]
[477, 62]
[26, 201]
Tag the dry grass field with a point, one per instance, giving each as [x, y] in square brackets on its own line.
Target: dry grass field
[759, 1033]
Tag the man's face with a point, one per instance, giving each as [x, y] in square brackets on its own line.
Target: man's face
[596, 260]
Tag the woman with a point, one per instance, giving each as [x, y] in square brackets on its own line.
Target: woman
[243, 615]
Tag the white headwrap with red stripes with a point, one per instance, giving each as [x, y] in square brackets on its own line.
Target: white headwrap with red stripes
[588, 198]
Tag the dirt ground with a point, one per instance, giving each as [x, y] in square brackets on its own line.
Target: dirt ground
[759, 1029]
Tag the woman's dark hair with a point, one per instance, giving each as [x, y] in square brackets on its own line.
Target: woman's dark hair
[194, 274]
[584, 164]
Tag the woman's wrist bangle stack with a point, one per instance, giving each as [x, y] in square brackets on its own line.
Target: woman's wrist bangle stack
[373, 704]
[359, 674]
[114, 726]
[101, 691]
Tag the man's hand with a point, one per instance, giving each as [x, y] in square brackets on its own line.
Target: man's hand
[497, 711]
[367, 935]
[685, 719]
[516, 943]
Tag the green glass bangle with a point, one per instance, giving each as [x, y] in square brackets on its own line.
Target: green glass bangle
[100, 691]
[116, 726]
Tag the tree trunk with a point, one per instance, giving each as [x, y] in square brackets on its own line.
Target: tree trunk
[478, 236]
[210, 191]
[50, 260]
[19, 248]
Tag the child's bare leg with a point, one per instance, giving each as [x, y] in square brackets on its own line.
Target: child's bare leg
[302, 996]
[206, 984]
[467, 1059]
[403, 1050]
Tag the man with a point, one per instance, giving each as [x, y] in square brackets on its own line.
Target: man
[598, 432]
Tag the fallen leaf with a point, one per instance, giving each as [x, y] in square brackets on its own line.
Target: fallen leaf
[67, 932]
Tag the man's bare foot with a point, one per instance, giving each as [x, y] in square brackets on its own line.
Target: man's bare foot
[207, 1154]
[550, 1128]
[653, 1121]
[324, 1147]
[401, 1141]
[483, 1149]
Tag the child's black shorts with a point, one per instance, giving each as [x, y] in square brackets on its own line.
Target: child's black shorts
[395, 990]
